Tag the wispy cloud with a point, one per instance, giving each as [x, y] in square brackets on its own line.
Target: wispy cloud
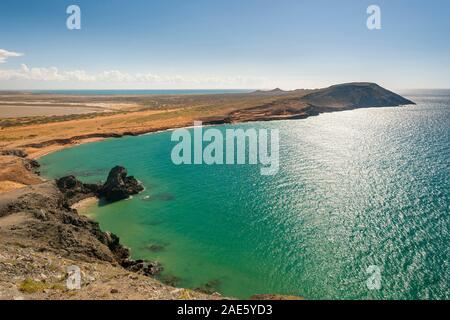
[4, 54]
[53, 74]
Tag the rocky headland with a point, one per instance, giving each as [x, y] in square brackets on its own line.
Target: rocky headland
[301, 104]
[40, 232]
[118, 186]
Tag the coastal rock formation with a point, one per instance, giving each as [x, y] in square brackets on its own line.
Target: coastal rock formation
[60, 228]
[300, 104]
[74, 190]
[51, 223]
[31, 165]
[144, 267]
[355, 95]
[40, 236]
[18, 158]
[119, 186]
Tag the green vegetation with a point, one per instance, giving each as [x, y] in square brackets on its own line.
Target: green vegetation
[32, 286]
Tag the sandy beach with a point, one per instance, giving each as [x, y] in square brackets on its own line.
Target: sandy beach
[140, 114]
[130, 115]
[83, 205]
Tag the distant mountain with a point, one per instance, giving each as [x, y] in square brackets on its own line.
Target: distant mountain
[355, 95]
[268, 91]
[276, 91]
[302, 103]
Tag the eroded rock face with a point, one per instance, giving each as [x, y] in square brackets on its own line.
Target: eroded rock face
[74, 190]
[119, 186]
[31, 165]
[144, 267]
[54, 225]
[60, 227]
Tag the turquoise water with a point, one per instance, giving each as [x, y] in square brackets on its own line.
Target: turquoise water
[355, 189]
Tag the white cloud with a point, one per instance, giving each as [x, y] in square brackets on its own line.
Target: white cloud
[8, 54]
[116, 77]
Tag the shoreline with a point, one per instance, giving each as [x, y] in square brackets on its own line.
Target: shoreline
[80, 140]
[286, 108]
[41, 236]
[161, 113]
[84, 204]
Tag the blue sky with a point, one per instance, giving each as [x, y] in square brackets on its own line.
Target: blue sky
[147, 44]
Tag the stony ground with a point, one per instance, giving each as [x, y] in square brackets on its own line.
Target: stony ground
[40, 238]
[26, 273]
[31, 270]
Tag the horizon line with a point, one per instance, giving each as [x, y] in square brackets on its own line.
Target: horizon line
[193, 89]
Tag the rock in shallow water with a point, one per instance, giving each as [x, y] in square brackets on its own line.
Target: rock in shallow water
[119, 186]
[144, 267]
[74, 190]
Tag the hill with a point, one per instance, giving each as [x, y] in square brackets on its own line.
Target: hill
[355, 95]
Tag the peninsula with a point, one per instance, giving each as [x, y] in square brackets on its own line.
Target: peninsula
[40, 232]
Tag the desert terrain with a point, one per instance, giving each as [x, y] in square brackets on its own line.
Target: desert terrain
[90, 118]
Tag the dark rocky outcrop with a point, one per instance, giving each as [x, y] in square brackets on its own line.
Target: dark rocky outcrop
[144, 267]
[15, 153]
[119, 186]
[74, 190]
[60, 228]
[31, 165]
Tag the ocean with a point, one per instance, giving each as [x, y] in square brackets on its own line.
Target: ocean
[360, 195]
